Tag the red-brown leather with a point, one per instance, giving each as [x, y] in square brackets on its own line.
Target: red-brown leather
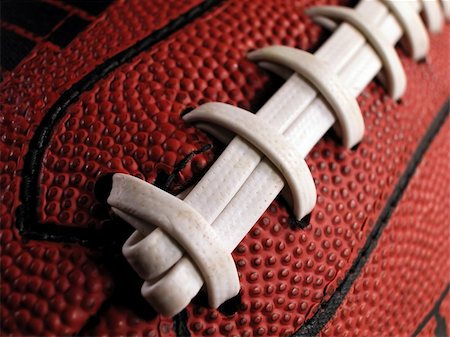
[36, 276]
[410, 267]
[286, 274]
[134, 114]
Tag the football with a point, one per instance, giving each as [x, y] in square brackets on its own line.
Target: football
[225, 168]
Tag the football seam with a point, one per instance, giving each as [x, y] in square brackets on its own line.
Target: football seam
[39, 144]
[434, 312]
[26, 213]
[327, 309]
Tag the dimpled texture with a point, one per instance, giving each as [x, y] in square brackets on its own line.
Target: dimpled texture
[121, 25]
[33, 87]
[48, 289]
[410, 267]
[285, 272]
[51, 289]
[130, 122]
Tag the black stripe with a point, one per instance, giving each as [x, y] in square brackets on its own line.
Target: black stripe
[167, 184]
[327, 310]
[435, 312]
[441, 325]
[29, 189]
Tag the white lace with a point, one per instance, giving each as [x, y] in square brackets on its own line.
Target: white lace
[176, 247]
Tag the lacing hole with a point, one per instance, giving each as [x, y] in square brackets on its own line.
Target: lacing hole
[231, 306]
[302, 223]
[103, 187]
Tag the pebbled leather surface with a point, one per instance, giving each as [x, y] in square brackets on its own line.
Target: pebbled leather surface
[139, 108]
[53, 69]
[36, 275]
[285, 272]
[48, 288]
[27, 93]
[409, 269]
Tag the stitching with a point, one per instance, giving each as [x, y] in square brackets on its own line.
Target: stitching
[182, 164]
[29, 189]
[327, 309]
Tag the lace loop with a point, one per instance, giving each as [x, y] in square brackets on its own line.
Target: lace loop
[434, 17]
[281, 152]
[393, 68]
[323, 78]
[241, 181]
[132, 198]
[416, 35]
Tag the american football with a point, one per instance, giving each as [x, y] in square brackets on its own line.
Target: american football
[225, 168]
